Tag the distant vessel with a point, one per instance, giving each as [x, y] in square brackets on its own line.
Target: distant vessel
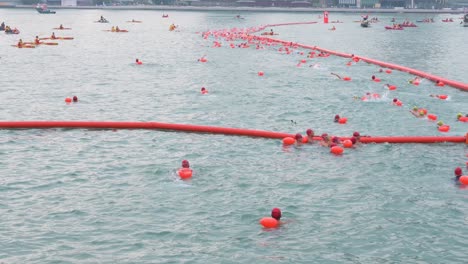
[42, 9]
[465, 20]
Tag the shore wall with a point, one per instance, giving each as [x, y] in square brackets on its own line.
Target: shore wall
[251, 9]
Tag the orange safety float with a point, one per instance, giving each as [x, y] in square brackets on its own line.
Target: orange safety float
[444, 128]
[346, 78]
[260, 73]
[442, 96]
[289, 141]
[388, 71]
[337, 150]
[68, 100]
[463, 179]
[347, 143]
[432, 117]
[463, 119]
[269, 222]
[185, 173]
[305, 140]
[440, 84]
[343, 120]
[392, 87]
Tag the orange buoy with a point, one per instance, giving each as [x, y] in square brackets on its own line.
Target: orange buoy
[337, 150]
[416, 83]
[441, 84]
[376, 80]
[288, 141]
[349, 64]
[343, 120]
[303, 61]
[185, 173]
[356, 59]
[392, 87]
[444, 128]
[398, 103]
[203, 59]
[432, 117]
[68, 100]
[260, 73]
[346, 78]
[347, 143]
[305, 140]
[388, 71]
[442, 96]
[463, 179]
[463, 119]
[269, 222]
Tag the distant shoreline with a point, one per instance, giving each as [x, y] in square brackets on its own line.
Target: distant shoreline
[250, 9]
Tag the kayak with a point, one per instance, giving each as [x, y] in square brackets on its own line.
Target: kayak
[134, 21]
[42, 43]
[24, 46]
[59, 38]
[12, 32]
[268, 34]
[120, 30]
[392, 28]
[102, 21]
[62, 28]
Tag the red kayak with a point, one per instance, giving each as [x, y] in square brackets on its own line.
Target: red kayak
[62, 28]
[24, 46]
[59, 38]
[392, 28]
[115, 31]
[42, 43]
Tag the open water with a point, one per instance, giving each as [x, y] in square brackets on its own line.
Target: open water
[103, 196]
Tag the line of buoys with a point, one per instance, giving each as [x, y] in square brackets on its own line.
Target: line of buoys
[437, 79]
[212, 130]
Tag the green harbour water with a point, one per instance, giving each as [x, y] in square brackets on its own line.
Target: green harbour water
[113, 196]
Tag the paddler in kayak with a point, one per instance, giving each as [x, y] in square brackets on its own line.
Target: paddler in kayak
[53, 36]
[20, 43]
[113, 29]
[37, 41]
[172, 27]
[117, 29]
[61, 26]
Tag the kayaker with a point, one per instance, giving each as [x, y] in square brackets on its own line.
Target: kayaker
[61, 26]
[37, 41]
[117, 29]
[113, 29]
[53, 36]
[20, 43]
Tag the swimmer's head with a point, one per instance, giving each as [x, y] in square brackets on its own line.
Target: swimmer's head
[395, 100]
[459, 115]
[335, 139]
[298, 136]
[415, 108]
[136, 60]
[310, 132]
[356, 134]
[373, 77]
[337, 117]
[325, 136]
[380, 70]
[276, 213]
[458, 172]
[185, 164]
[440, 123]
[421, 113]
[203, 89]
[353, 139]
[75, 98]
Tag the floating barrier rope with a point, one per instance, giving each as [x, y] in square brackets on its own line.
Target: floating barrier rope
[212, 130]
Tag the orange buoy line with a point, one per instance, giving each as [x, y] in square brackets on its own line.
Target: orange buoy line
[434, 78]
[212, 130]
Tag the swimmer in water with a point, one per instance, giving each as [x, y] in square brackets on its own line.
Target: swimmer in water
[357, 136]
[458, 173]
[325, 140]
[298, 138]
[339, 77]
[53, 36]
[75, 99]
[337, 118]
[203, 90]
[310, 135]
[417, 112]
[276, 214]
[185, 164]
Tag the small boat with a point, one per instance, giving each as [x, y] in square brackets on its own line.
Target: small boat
[44, 11]
[13, 31]
[365, 23]
[393, 28]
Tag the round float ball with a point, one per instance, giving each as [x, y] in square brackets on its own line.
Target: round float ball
[432, 117]
[305, 140]
[464, 180]
[68, 100]
[269, 222]
[347, 143]
[337, 150]
[388, 71]
[185, 173]
[288, 141]
[303, 61]
[260, 73]
[343, 120]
